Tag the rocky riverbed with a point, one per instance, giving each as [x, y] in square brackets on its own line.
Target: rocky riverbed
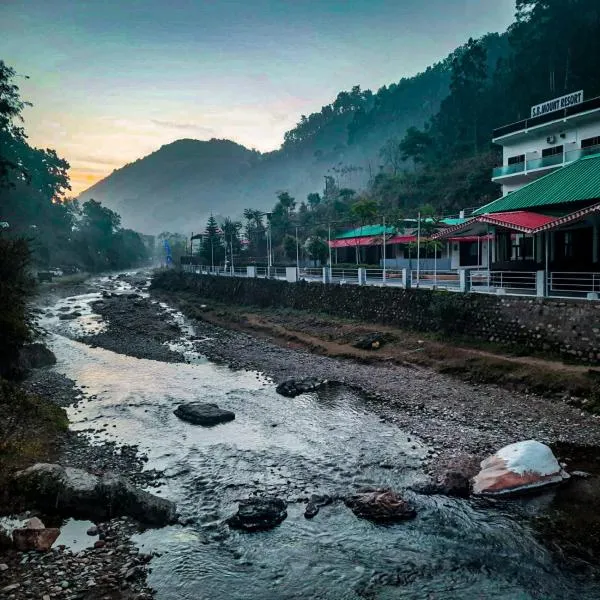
[380, 429]
[454, 417]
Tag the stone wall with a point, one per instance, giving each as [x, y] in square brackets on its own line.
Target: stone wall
[556, 328]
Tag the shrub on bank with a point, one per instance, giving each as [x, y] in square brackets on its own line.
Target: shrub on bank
[16, 289]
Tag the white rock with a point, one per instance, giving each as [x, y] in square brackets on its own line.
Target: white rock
[518, 467]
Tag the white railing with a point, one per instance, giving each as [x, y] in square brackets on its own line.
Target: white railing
[381, 277]
[437, 279]
[508, 282]
[518, 283]
[311, 273]
[573, 284]
[344, 275]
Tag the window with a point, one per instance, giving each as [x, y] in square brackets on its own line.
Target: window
[522, 247]
[568, 244]
[552, 151]
[515, 160]
[590, 142]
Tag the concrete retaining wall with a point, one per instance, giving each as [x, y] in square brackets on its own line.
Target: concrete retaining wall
[558, 328]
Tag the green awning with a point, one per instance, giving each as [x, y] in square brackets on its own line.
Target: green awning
[577, 182]
[367, 230]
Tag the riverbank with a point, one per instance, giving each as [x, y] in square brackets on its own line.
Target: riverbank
[408, 377]
[369, 432]
[34, 428]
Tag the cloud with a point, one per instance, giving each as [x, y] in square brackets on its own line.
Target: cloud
[184, 126]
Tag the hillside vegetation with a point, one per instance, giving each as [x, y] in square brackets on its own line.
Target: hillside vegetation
[423, 140]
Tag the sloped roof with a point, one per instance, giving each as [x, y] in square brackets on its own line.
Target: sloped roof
[576, 182]
[520, 220]
[366, 231]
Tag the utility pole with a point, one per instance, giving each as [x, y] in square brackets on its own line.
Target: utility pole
[384, 253]
[329, 244]
[418, 247]
[297, 256]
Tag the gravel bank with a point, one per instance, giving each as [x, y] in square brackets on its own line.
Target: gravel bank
[112, 568]
[452, 416]
[136, 327]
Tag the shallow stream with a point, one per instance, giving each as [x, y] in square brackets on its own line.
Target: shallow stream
[316, 443]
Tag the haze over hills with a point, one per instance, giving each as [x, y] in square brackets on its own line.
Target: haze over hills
[178, 186]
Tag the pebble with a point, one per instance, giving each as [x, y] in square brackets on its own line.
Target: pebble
[3, 567]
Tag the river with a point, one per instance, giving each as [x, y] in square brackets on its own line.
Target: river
[329, 442]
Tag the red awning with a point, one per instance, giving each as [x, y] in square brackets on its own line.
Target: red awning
[402, 239]
[356, 241]
[520, 219]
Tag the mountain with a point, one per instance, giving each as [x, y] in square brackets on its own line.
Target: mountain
[177, 187]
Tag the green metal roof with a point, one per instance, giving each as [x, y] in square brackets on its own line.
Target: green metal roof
[451, 222]
[367, 230]
[576, 182]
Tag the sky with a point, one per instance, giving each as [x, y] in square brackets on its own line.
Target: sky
[113, 80]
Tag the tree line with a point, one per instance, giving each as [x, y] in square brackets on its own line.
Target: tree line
[34, 202]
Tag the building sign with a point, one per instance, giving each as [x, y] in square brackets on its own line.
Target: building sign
[557, 104]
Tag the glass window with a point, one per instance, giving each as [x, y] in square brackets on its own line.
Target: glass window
[552, 151]
[515, 160]
[522, 247]
[589, 142]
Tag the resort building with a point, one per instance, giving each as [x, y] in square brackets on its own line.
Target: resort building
[547, 141]
[544, 232]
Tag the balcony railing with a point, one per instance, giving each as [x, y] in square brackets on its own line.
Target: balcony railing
[509, 169]
[545, 161]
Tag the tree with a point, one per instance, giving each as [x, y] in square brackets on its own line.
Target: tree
[289, 246]
[317, 249]
[287, 202]
[415, 145]
[364, 210]
[231, 237]
[313, 199]
[392, 155]
[213, 252]
[255, 232]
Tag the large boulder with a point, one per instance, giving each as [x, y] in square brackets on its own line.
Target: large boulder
[259, 514]
[75, 492]
[380, 506]
[516, 468]
[34, 536]
[34, 356]
[200, 413]
[295, 387]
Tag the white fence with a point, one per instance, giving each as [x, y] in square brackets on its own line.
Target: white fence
[435, 279]
[580, 284]
[520, 283]
[516, 283]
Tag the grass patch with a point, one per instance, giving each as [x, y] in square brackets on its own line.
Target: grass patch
[30, 428]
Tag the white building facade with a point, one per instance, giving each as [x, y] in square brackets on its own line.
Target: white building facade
[534, 147]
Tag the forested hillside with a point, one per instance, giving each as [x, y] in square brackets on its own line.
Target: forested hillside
[423, 140]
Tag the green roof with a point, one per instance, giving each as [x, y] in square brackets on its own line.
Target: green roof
[451, 222]
[367, 230]
[576, 182]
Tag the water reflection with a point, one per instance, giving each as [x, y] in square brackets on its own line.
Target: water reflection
[315, 443]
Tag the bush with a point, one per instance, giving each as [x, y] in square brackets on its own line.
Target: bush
[16, 288]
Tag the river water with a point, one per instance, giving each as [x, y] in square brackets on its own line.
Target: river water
[329, 442]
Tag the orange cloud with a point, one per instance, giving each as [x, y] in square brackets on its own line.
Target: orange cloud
[82, 179]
